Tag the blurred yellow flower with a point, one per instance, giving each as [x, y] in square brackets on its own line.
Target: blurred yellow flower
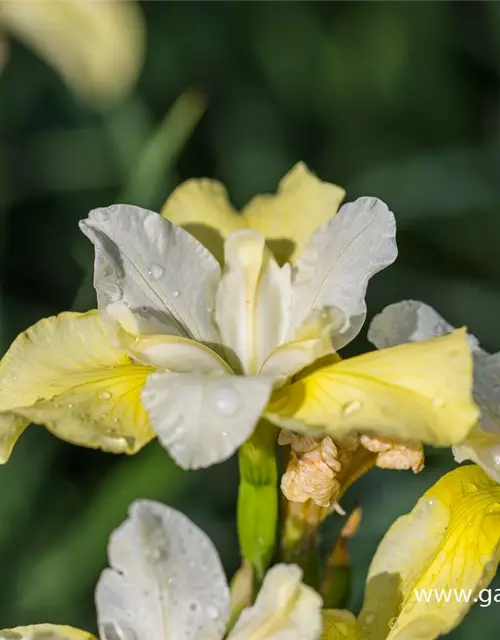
[431, 565]
[96, 46]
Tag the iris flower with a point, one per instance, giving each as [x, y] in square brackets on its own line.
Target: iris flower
[166, 582]
[195, 354]
[450, 540]
[412, 321]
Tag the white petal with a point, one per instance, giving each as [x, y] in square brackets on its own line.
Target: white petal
[254, 300]
[154, 267]
[406, 321]
[339, 260]
[311, 342]
[165, 581]
[172, 353]
[285, 609]
[202, 420]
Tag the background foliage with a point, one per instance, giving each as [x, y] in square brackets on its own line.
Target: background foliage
[398, 100]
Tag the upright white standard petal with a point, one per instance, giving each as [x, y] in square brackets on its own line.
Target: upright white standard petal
[285, 609]
[410, 321]
[166, 580]
[159, 270]
[203, 419]
[338, 261]
[254, 301]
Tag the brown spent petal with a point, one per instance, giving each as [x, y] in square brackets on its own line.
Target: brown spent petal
[395, 454]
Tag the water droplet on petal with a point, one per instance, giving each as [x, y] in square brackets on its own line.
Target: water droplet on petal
[70, 405]
[392, 622]
[369, 617]
[176, 293]
[351, 407]
[212, 613]
[105, 395]
[226, 400]
[114, 292]
[471, 487]
[494, 508]
[156, 270]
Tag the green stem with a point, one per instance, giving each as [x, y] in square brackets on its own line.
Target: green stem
[258, 498]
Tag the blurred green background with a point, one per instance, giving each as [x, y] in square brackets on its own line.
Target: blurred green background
[399, 100]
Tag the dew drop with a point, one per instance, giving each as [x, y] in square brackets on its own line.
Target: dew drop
[226, 400]
[351, 407]
[369, 617]
[176, 293]
[392, 622]
[193, 606]
[471, 487]
[70, 405]
[212, 613]
[494, 508]
[156, 271]
[224, 433]
[105, 395]
[114, 293]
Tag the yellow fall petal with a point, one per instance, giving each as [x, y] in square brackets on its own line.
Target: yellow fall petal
[288, 219]
[450, 540]
[97, 47]
[203, 208]
[339, 625]
[419, 391]
[45, 632]
[66, 373]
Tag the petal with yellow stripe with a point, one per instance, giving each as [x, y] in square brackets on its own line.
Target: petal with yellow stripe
[449, 541]
[420, 391]
[66, 373]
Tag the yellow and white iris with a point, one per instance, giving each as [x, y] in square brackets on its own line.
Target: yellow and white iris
[166, 582]
[449, 541]
[196, 354]
[412, 321]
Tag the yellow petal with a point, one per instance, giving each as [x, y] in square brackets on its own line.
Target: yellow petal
[339, 625]
[97, 47]
[450, 540]
[419, 391]
[66, 373]
[45, 632]
[202, 207]
[301, 205]
[253, 301]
